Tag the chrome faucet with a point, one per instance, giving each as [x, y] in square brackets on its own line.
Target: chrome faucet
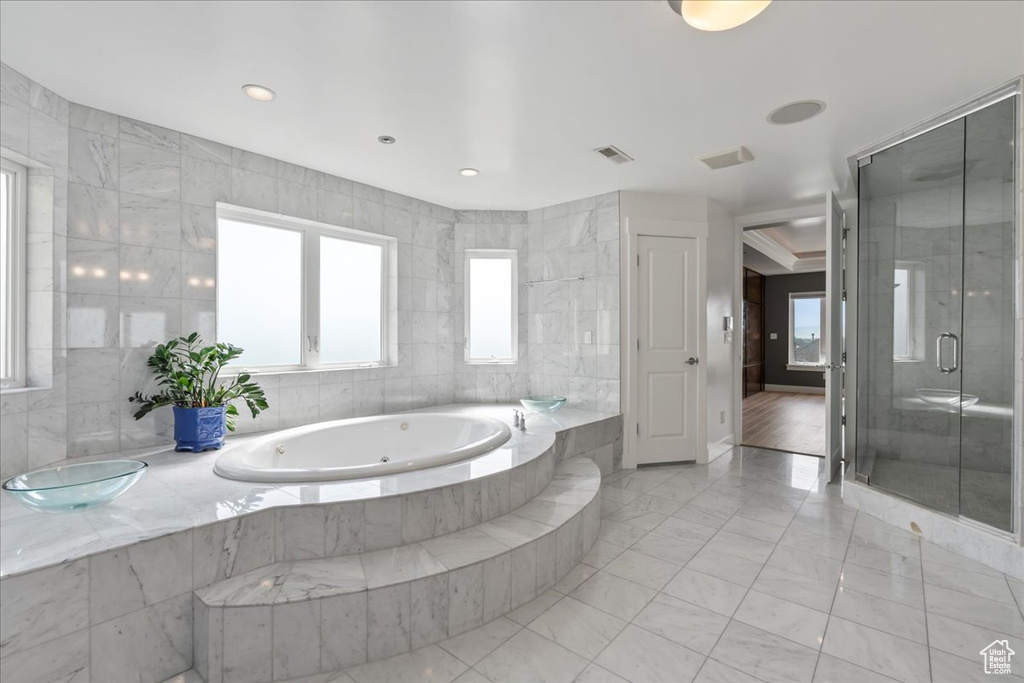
[516, 420]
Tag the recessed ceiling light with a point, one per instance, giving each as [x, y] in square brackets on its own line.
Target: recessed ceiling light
[386, 140]
[259, 92]
[795, 112]
[717, 15]
[468, 172]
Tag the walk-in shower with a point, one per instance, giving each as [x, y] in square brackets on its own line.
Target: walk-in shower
[936, 246]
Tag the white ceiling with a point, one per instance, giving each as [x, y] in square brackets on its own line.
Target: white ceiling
[760, 263]
[802, 238]
[524, 91]
[805, 236]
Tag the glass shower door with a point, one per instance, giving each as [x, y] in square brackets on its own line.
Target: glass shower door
[909, 318]
[986, 451]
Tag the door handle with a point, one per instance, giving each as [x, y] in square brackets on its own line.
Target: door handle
[938, 353]
[692, 361]
[956, 352]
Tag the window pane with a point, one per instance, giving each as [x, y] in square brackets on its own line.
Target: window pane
[350, 301]
[259, 292]
[5, 304]
[901, 314]
[490, 308]
[807, 330]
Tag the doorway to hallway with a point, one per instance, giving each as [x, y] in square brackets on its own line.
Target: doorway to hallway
[784, 421]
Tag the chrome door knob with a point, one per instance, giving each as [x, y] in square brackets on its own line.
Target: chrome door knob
[692, 361]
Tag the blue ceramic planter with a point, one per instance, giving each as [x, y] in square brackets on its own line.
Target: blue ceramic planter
[199, 429]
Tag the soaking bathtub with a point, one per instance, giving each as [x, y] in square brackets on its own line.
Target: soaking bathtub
[361, 447]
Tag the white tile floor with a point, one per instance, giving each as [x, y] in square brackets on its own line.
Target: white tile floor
[745, 570]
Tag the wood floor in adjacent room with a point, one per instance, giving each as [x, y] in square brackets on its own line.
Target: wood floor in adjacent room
[788, 422]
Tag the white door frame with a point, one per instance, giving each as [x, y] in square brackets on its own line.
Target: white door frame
[653, 227]
[778, 215]
[835, 225]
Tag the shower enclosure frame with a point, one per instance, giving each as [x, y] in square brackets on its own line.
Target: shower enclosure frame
[972, 537]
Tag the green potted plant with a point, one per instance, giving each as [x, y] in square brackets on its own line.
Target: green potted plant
[188, 375]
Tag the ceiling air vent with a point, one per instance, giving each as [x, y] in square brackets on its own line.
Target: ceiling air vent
[732, 157]
[614, 154]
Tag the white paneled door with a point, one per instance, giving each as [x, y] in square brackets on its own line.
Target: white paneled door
[667, 353]
[833, 334]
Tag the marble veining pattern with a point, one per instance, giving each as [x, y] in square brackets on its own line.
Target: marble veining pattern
[179, 494]
[407, 598]
[130, 216]
[712, 625]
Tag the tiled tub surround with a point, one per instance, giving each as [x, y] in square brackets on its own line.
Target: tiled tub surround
[34, 132]
[121, 576]
[749, 569]
[305, 617]
[568, 331]
[129, 197]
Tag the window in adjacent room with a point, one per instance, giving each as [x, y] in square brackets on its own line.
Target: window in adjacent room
[491, 306]
[806, 330]
[13, 280]
[296, 293]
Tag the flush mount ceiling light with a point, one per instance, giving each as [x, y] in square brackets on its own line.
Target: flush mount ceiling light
[795, 112]
[717, 15]
[469, 172]
[386, 140]
[259, 92]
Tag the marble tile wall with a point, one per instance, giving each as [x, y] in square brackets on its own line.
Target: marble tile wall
[574, 325]
[568, 331]
[142, 206]
[34, 132]
[130, 232]
[106, 617]
[487, 230]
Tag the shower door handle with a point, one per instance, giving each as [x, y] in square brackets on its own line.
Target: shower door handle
[938, 353]
[956, 352]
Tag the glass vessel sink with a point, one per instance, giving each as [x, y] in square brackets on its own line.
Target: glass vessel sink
[542, 404]
[77, 486]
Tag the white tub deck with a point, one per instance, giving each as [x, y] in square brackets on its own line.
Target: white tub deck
[180, 491]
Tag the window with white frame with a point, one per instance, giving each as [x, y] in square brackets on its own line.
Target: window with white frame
[492, 306]
[13, 280]
[297, 294]
[806, 330]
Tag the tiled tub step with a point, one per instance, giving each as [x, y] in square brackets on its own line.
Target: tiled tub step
[299, 618]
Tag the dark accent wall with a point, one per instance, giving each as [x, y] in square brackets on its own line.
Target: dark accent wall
[777, 289]
[753, 332]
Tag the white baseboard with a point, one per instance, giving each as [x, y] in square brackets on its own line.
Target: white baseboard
[723, 445]
[794, 390]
